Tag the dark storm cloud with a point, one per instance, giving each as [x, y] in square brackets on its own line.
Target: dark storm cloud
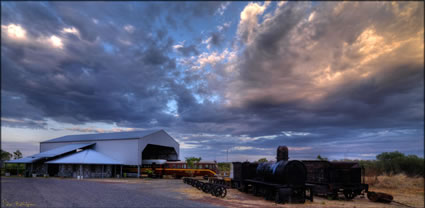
[16, 107]
[299, 77]
[216, 39]
[83, 81]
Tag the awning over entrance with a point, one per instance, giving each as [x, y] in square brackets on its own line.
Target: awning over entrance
[88, 156]
[51, 153]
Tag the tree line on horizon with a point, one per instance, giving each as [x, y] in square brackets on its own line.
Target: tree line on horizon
[390, 163]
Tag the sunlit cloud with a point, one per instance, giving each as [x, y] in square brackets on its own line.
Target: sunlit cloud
[281, 3]
[56, 41]
[185, 145]
[294, 133]
[241, 148]
[249, 20]
[222, 8]
[311, 17]
[129, 28]
[213, 58]
[368, 155]
[71, 30]
[12, 120]
[15, 31]
[125, 42]
[177, 46]
[299, 148]
[100, 130]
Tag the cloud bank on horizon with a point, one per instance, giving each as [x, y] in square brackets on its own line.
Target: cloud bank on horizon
[340, 79]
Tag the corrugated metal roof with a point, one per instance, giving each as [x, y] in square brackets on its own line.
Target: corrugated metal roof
[62, 150]
[51, 153]
[103, 136]
[24, 160]
[88, 156]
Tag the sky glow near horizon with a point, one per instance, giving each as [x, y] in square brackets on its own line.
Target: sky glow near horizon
[339, 79]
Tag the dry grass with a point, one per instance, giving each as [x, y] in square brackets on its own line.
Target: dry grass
[399, 181]
[407, 190]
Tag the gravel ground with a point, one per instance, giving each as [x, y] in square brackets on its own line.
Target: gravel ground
[56, 192]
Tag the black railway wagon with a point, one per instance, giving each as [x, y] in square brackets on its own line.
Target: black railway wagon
[332, 178]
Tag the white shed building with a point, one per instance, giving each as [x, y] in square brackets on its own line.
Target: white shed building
[93, 155]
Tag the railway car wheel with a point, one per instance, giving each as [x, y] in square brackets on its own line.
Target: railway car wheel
[333, 195]
[349, 194]
[223, 192]
[217, 191]
[199, 185]
[276, 198]
[206, 188]
[255, 191]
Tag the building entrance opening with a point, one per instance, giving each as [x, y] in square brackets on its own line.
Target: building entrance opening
[152, 152]
[53, 169]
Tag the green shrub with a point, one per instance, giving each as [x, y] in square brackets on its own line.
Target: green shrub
[392, 163]
[223, 166]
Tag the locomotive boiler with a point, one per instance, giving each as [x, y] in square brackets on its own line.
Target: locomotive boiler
[282, 171]
[282, 181]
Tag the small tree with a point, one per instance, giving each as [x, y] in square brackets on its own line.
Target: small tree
[262, 160]
[191, 161]
[224, 167]
[322, 158]
[17, 154]
[5, 155]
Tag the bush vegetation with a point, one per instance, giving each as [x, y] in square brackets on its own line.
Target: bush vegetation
[191, 161]
[223, 167]
[386, 164]
[393, 163]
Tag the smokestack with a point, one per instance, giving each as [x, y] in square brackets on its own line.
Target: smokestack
[282, 153]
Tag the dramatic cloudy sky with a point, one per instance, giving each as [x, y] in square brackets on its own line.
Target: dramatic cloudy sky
[339, 79]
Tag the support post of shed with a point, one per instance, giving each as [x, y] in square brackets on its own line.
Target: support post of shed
[121, 172]
[81, 171]
[138, 171]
